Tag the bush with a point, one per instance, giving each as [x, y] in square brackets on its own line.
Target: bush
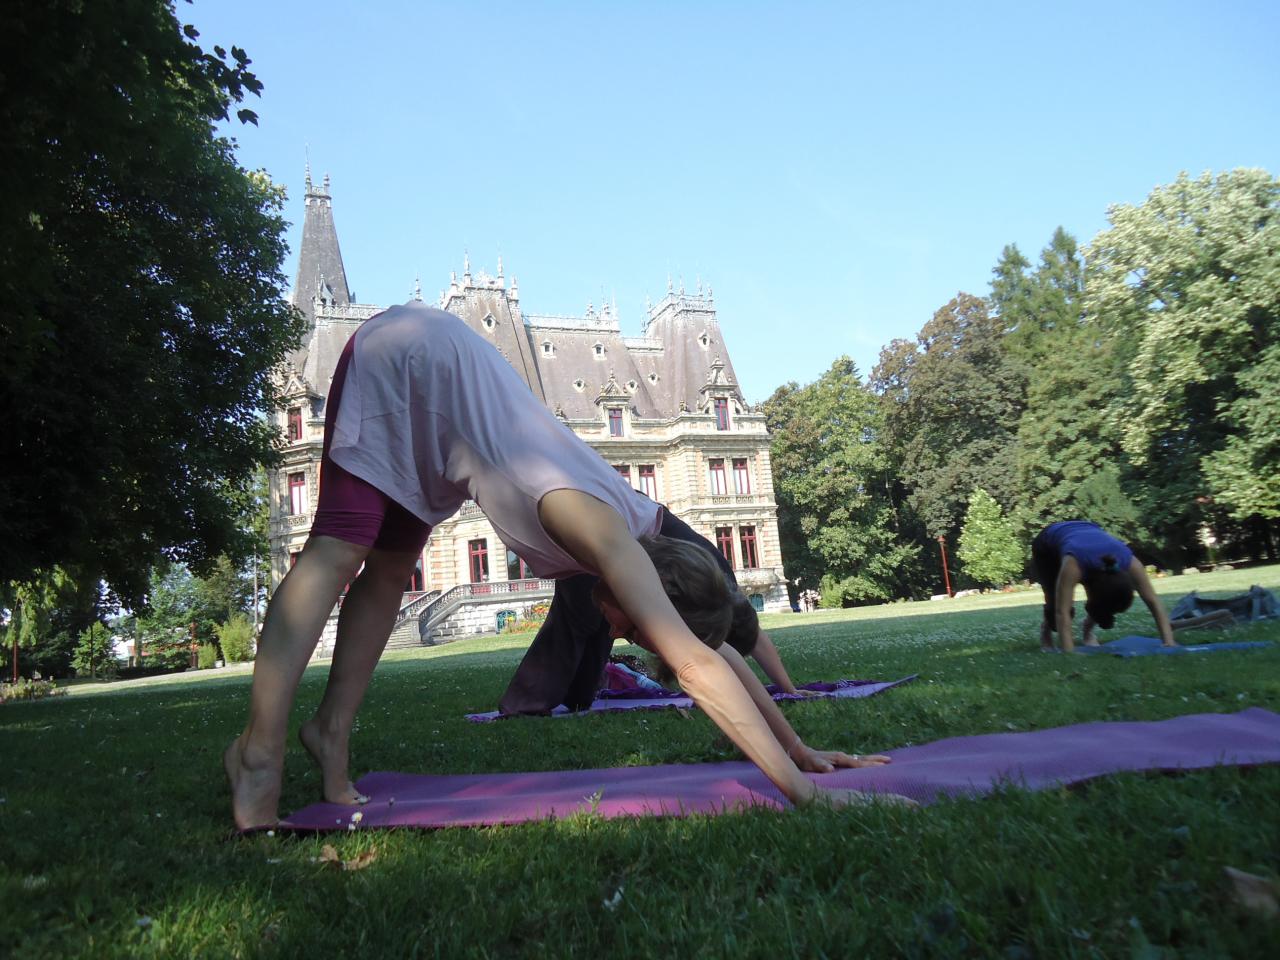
[206, 656]
[29, 690]
[236, 639]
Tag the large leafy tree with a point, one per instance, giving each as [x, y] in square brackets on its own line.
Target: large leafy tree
[140, 294]
[1188, 284]
[1069, 462]
[833, 480]
[952, 398]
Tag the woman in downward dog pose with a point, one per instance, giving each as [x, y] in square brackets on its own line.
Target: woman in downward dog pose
[423, 414]
[1079, 552]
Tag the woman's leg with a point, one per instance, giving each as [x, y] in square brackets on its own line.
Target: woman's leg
[1046, 562]
[364, 624]
[295, 617]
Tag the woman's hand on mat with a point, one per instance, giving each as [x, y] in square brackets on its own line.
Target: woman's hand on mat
[824, 761]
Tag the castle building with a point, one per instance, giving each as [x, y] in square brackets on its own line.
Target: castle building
[663, 408]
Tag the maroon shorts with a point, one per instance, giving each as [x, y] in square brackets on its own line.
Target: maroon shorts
[352, 509]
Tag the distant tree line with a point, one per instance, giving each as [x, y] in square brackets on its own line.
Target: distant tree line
[1135, 382]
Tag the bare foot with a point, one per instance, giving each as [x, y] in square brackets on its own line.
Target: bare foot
[255, 788]
[331, 757]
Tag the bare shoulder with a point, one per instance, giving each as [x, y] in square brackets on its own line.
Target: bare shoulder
[588, 529]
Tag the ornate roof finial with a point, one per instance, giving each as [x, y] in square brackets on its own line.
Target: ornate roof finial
[499, 266]
[515, 289]
[417, 287]
[669, 288]
[466, 264]
[326, 183]
[682, 285]
[308, 169]
[699, 284]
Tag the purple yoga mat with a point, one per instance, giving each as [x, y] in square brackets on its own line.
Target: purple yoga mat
[959, 765]
[613, 700]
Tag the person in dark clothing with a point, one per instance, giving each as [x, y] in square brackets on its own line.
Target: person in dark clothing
[566, 660]
[1080, 552]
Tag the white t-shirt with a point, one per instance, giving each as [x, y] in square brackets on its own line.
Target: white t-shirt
[431, 415]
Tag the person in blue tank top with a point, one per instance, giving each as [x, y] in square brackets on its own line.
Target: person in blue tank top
[1080, 552]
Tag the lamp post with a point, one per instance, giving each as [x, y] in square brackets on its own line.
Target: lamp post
[942, 548]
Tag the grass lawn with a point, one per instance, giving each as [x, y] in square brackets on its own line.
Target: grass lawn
[115, 839]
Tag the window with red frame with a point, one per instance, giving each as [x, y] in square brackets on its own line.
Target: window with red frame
[648, 480]
[297, 494]
[724, 540]
[295, 424]
[741, 478]
[719, 486]
[721, 406]
[478, 553]
[624, 471]
[293, 559]
[615, 421]
[517, 569]
[418, 582]
[750, 560]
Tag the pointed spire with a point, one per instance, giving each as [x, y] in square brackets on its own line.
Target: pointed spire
[682, 285]
[499, 266]
[515, 289]
[417, 287]
[669, 289]
[466, 263]
[321, 274]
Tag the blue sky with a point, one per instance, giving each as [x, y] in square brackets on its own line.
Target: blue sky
[836, 172]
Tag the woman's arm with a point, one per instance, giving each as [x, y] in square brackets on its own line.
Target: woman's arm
[766, 654]
[1064, 596]
[595, 535]
[804, 757]
[1147, 591]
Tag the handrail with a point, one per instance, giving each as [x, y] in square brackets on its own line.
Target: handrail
[435, 611]
[412, 608]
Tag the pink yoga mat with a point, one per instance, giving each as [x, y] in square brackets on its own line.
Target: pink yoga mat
[612, 700]
[959, 765]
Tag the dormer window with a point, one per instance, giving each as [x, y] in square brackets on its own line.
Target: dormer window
[653, 378]
[579, 384]
[598, 350]
[720, 407]
[632, 386]
[489, 322]
[295, 424]
[615, 421]
[704, 341]
[548, 348]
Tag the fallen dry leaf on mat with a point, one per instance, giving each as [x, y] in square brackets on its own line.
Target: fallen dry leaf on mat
[1259, 895]
[329, 857]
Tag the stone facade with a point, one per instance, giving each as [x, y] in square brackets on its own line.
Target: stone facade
[664, 408]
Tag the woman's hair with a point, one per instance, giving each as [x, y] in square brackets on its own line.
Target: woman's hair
[1107, 592]
[694, 585]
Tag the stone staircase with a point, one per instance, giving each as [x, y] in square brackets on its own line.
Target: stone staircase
[466, 610]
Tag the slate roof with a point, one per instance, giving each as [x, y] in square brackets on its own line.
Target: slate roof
[660, 373]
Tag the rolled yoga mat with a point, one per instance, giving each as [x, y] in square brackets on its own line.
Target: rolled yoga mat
[1151, 646]
[612, 700]
[957, 766]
